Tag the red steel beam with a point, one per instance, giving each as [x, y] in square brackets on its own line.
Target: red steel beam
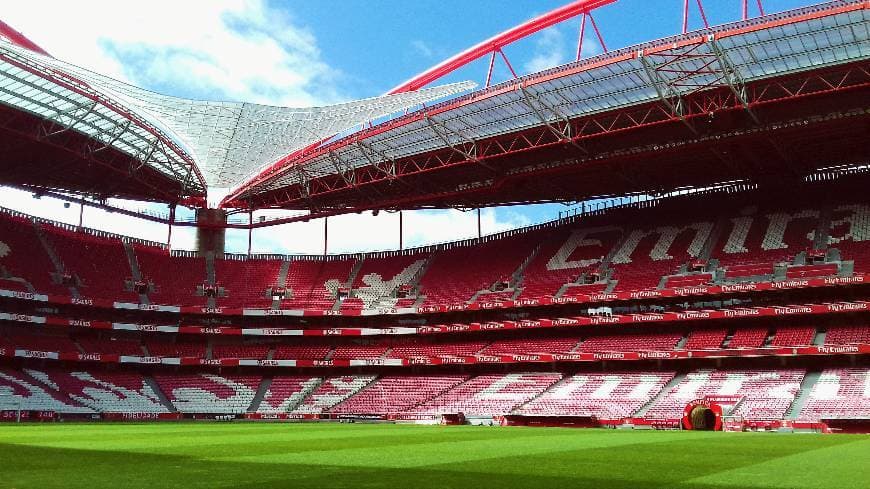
[760, 93]
[301, 157]
[20, 39]
[497, 42]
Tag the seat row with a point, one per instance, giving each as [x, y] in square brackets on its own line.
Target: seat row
[624, 250]
[757, 394]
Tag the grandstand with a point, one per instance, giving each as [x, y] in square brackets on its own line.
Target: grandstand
[733, 271]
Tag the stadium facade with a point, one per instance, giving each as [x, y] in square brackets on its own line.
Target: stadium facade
[733, 296]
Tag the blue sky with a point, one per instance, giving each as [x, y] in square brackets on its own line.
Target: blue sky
[299, 53]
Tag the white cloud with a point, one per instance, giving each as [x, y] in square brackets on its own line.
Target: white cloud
[422, 48]
[235, 49]
[550, 50]
[366, 232]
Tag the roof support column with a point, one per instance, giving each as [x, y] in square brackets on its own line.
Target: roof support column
[401, 232]
[250, 229]
[171, 220]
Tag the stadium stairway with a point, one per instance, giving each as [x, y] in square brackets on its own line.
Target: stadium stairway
[210, 277]
[518, 275]
[135, 271]
[260, 394]
[663, 392]
[160, 394]
[282, 280]
[305, 392]
[820, 337]
[823, 231]
[52, 255]
[351, 278]
[800, 399]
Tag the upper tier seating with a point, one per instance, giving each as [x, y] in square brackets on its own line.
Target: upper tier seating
[766, 236]
[586, 289]
[794, 336]
[178, 349]
[706, 339]
[331, 392]
[525, 345]
[378, 278]
[563, 256]
[285, 393]
[845, 335]
[110, 346]
[604, 395]
[646, 255]
[748, 338]
[99, 262]
[13, 285]
[245, 282]
[315, 283]
[301, 352]
[631, 342]
[246, 351]
[809, 271]
[410, 348]
[691, 280]
[643, 245]
[396, 394]
[358, 351]
[494, 394]
[209, 394]
[767, 394]
[22, 255]
[44, 342]
[850, 233]
[175, 278]
[839, 393]
[455, 275]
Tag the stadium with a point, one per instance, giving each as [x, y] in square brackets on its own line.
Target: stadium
[701, 302]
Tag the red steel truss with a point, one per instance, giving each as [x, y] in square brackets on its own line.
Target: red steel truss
[691, 84]
[706, 100]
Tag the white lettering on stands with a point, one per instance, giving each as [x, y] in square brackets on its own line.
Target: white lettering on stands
[838, 349]
[793, 310]
[580, 239]
[847, 306]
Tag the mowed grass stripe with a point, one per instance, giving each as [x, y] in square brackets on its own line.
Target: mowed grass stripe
[194, 455]
[452, 445]
[844, 464]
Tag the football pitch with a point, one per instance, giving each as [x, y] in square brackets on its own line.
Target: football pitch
[253, 455]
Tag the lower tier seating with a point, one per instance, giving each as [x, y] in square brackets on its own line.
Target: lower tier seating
[207, 393]
[760, 394]
[604, 395]
[331, 392]
[285, 393]
[104, 392]
[839, 393]
[490, 394]
[767, 394]
[395, 394]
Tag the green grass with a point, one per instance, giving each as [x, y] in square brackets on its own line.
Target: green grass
[249, 455]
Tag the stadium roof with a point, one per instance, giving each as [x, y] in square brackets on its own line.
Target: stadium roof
[468, 132]
[199, 144]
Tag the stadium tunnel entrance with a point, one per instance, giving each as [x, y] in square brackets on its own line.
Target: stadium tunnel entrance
[702, 415]
[703, 418]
